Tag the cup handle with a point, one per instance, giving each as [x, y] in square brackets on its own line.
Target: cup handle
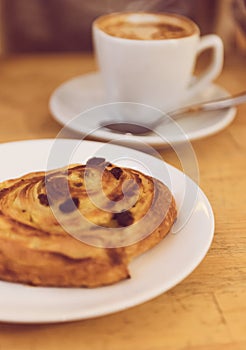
[214, 69]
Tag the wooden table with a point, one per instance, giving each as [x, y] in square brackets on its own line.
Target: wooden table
[205, 311]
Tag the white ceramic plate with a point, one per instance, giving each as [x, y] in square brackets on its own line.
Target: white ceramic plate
[77, 95]
[151, 274]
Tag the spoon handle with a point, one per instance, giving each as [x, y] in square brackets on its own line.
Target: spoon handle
[221, 103]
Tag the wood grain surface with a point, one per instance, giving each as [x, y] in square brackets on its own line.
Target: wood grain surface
[207, 310]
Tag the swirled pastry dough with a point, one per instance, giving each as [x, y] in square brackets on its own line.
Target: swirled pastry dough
[81, 225]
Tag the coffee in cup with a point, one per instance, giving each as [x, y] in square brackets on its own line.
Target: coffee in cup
[147, 27]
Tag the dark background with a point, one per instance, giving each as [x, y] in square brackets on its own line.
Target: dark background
[65, 25]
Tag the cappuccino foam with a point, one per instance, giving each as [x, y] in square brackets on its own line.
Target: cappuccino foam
[146, 26]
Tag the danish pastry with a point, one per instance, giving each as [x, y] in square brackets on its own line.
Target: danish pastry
[80, 226]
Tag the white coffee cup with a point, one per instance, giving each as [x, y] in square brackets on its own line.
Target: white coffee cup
[149, 58]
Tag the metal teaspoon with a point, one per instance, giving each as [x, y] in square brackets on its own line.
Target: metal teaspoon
[147, 128]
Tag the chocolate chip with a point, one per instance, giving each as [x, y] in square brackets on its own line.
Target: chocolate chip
[139, 180]
[116, 172]
[43, 199]
[114, 256]
[78, 184]
[124, 218]
[115, 197]
[95, 161]
[69, 205]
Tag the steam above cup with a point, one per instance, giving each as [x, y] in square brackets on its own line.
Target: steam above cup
[149, 58]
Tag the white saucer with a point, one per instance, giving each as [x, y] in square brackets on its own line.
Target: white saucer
[152, 273]
[82, 93]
